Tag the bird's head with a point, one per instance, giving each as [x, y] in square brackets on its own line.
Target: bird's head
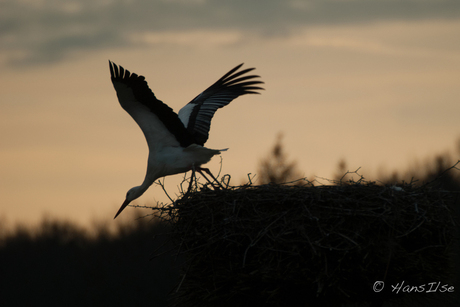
[132, 194]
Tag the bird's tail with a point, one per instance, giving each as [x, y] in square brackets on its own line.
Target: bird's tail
[202, 155]
[200, 149]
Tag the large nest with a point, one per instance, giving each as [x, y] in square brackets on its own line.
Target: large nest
[308, 245]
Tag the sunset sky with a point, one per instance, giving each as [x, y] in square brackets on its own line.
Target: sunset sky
[376, 83]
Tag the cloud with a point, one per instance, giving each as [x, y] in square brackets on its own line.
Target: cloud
[44, 31]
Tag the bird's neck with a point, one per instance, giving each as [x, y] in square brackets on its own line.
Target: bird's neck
[148, 181]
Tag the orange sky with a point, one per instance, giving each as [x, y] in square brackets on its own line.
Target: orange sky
[379, 94]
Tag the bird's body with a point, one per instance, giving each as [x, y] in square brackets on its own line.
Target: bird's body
[175, 140]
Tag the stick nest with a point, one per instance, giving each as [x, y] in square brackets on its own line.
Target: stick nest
[280, 245]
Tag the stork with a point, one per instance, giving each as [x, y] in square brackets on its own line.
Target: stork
[176, 141]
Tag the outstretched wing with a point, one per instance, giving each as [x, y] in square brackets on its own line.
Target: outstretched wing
[197, 114]
[160, 124]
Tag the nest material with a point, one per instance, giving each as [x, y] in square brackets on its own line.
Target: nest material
[279, 245]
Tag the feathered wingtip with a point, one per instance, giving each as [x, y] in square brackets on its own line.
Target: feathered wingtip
[233, 78]
[117, 71]
[112, 68]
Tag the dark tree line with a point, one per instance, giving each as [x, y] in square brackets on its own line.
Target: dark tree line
[58, 264]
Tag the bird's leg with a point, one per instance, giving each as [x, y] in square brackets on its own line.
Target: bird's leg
[204, 176]
[200, 170]
[191, 180]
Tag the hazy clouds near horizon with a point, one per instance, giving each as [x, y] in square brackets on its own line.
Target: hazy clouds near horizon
[37, 32]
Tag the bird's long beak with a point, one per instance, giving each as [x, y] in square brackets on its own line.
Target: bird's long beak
[125, 203]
